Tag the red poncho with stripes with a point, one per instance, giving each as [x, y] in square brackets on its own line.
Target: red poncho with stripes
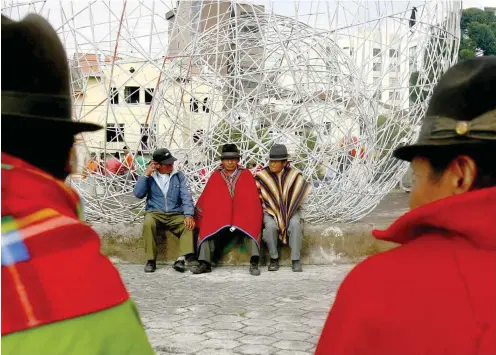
[229, 202]
[282, 195]
[52, 268]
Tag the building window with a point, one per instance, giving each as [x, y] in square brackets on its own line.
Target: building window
[352, 50]
[149, 95]
[377, 79]
[147, 133]
[132, 94]
[378, 94]
[394, 95]
[114, 96]
[115, 132]
[198, 136]
[376, 52]
[193, 105]
[376, 67]
[249, 28]
[394, 68]
[393, 53]
[205, 105]
[393, 81]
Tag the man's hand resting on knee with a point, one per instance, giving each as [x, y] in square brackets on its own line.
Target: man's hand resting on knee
[189, 222]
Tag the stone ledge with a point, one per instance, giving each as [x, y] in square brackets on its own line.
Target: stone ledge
[322, 244]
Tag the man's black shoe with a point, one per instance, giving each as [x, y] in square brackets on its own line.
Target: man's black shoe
[297, 266]
[204, 267]
[179, 265]
[150, 266]
[192, 261]
[274, 265]
[254, 270]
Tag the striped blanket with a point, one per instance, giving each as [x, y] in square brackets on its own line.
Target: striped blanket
[282, 195]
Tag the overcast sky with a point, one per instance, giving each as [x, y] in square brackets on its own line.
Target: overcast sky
[94, 24]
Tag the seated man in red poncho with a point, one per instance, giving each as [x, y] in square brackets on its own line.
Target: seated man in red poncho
[228, 207]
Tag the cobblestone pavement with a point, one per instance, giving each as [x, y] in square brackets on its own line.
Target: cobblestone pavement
[231, 312]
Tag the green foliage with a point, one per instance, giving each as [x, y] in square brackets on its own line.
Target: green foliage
[389, 132]
[310, 141]
[478, 29]
[227, 133]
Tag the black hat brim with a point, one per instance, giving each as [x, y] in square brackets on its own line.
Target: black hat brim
[64, 125]
[409, 152]
[168, 161]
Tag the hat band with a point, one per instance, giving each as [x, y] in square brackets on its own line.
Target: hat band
[482, 127]
[278, 156]
[230, 155]
[36, 105]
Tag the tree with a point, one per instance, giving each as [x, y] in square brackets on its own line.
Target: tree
[478, 29]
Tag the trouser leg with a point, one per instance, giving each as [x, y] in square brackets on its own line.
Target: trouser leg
[270, 235]
[150, 235]
[295, 236]
[205, 252]
[175, 223]
[254, 251]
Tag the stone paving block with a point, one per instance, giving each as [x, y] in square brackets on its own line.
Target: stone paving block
[290, 327]
[227, 318]
[257, 339]
[296, 336]
[317, 315]
[293, 345]
[194, 321]
[255, 350]
[288, 319]
[292, 352]
[260, 322]
[210, 351]
[225, 344]
[224, 334]
[257, 330]
[276, 309]
[226, 326]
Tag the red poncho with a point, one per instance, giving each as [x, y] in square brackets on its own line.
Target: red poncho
[220, 206]
[52, 268]
[435, 294]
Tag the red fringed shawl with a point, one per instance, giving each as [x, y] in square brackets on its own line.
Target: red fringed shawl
[52, 268]
[220, 207]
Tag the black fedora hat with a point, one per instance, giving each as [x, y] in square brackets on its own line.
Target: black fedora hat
[35, 77]
[462, 110]
[230, 151]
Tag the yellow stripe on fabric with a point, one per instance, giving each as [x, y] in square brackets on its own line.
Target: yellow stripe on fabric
[16, 224]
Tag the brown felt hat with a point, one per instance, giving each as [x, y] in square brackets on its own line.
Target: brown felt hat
[462, 110]
[35, 77]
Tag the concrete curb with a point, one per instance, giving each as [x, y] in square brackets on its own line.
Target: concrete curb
[323, 244]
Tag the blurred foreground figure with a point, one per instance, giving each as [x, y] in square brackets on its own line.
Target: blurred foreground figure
[436, 293]
[59, 294]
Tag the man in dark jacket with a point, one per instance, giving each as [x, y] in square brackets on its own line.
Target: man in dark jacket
[434, 294]
[168, 201]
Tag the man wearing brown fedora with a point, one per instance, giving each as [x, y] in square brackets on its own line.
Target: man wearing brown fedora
[436, 292]
[60, 295]
[283, 190]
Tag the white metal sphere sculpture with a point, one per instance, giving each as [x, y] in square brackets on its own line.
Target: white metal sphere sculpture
[340, 83]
